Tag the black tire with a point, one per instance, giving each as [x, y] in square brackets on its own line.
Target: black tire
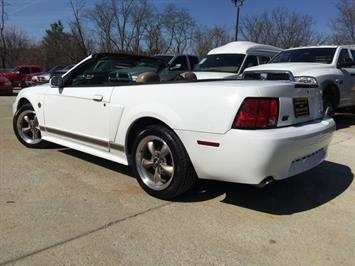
[39, 143]
[329, 104]
[23, 84]
[183, 177]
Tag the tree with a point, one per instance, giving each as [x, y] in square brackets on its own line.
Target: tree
[140, 20]
[154, 39]
[78, 29]
[3, 51]
[121, 24]
[281, 28]
[102, 18]
[179, 28]
[58, 46]
[19, 46]
[205, 39]
[343, 26]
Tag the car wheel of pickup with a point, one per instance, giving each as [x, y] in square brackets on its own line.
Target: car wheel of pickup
[161, 163]
[328, 104]
[26, 127]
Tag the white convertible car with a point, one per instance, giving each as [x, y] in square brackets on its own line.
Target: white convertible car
[172, 133]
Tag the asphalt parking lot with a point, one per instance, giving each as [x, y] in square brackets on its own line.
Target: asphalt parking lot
[63, 207]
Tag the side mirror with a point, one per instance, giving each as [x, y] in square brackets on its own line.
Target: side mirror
[18, 72]
[56, 82]
[176, 67]
[346, 64]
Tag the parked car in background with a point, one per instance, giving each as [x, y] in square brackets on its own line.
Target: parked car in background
[44, 77]
[62, 71]
[6, 87]
[332, 68]
[231, 59]
[173, 132]
[21, 76]
[5, 70]
[177, 64]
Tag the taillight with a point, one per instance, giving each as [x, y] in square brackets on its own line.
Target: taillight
[257, 113]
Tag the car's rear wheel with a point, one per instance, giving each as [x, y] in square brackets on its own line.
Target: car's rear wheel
[161, 163]
[26, 127]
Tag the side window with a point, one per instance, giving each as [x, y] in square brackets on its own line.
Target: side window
[180, 63]
[344, 56]
[193, 61]
[110, 71]
[251, 61]
[353, 54]
[24, 70]
[36, 70]
[264, 60]
[81, 76]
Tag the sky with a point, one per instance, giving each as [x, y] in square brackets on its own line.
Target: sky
[35, 16]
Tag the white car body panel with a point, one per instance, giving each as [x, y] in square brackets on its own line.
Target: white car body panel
[251, 156]
[204, 110]
[344, 78]
[214, 75]
[69, 119]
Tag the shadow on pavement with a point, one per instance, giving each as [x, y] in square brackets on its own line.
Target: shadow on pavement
[344, 120]
[297, 194]
[126, 170]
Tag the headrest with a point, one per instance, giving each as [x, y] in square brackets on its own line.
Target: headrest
[188, 76]
[148, 77]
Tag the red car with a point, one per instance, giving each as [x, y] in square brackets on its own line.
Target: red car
[5, 86]
[21, 76]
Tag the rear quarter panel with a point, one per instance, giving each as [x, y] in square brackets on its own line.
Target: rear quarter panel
[208, 107]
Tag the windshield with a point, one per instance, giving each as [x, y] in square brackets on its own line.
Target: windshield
[221, 63]
[306, 55]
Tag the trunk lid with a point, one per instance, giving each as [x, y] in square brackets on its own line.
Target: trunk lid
[299, 103]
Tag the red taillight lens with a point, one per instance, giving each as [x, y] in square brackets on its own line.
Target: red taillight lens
[257, 113]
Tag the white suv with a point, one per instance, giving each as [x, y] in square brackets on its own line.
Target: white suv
[331, 68]
[231, 59]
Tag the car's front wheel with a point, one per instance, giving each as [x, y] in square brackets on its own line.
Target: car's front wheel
[26, 127]
[161, 163]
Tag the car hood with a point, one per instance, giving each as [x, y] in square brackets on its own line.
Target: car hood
[37, 89]
[214, 75]
[296, 69]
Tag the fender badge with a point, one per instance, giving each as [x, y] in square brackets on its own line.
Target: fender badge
[39, 105]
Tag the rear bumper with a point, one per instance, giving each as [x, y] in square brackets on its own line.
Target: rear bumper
[250, 156]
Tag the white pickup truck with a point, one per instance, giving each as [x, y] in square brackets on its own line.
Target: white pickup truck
[332, 68]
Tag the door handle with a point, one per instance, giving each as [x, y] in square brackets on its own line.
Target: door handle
[97, 98]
